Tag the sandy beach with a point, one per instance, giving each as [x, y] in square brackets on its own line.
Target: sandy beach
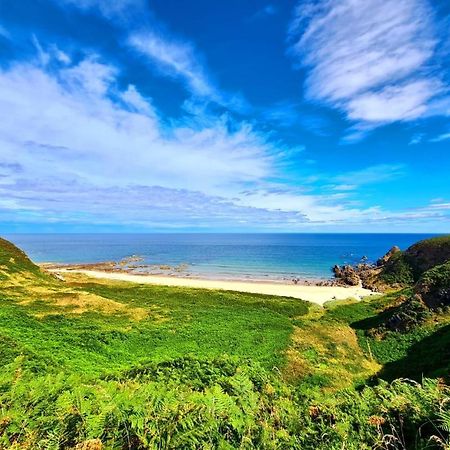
[315, 294]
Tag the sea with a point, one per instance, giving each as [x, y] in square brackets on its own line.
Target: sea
[218, 255]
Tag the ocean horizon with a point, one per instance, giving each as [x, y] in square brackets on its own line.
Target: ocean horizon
[218, 255]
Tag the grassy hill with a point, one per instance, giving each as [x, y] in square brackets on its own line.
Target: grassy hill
[89, 364]
[15, 264]
[407, 267]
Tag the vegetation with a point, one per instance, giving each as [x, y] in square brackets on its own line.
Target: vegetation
[106, 365]
[426, 254]
[434, 286]
[397, 271]
[14, 261]
[406, 268]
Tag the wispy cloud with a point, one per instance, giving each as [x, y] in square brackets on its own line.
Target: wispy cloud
[107, 123]
[266, 11]
[372, 175]
[143, 206]
[78, 148]
[72, 140]
[441, 137]
[164, 52]
[112, 9]
[175, 59]
[416, 139]
[372, 59]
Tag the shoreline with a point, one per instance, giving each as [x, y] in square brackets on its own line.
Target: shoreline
[160, 270]
[313, 293]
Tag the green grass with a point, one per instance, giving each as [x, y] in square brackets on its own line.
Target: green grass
[423, 351]
[200, 322]
[15, 261]
[200, 369]
[107, 365]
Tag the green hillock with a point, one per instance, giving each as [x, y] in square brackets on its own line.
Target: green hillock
[426, 254]
[14, 262]
[405, 268]
[425, 269]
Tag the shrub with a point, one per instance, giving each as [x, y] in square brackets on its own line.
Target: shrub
[244, 407]
[434, 286]
[397, 271]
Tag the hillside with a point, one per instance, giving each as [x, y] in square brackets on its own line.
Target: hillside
[14, 263]
[408, 266]
[397, 269]
[90, 364]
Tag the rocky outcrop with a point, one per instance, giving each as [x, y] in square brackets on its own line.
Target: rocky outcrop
[425, 266]
[346, 275]
[367, 275]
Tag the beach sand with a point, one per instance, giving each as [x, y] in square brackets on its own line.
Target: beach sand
[315, 294]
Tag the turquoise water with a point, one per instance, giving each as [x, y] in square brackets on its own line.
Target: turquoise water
[221, 255]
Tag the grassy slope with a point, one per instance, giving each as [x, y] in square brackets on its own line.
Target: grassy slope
[96, 328]
[424, 351]
[406, 267]
[155, 323]
[147, 367]
[15, 263]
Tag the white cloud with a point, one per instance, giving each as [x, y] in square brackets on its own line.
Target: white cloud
[146, 206]
[60, 56]
[175, 59]
[371, 175]
[90, 76]
[369, 58]
[416, 139]
[393, 103]
[170, 56]
[134, 99]
[52, 52]
[112, 9]
[441, 137]
[77, 148]
[43, 56]
[72, 123]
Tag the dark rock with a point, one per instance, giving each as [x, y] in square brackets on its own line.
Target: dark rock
[347, 275]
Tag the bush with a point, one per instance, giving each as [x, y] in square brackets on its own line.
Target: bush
[242, 407]
[397, 271]
[434, 286]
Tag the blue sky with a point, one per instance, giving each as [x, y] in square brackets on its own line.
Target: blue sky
[150, 115]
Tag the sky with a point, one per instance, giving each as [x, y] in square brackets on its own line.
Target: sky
[227, 116]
